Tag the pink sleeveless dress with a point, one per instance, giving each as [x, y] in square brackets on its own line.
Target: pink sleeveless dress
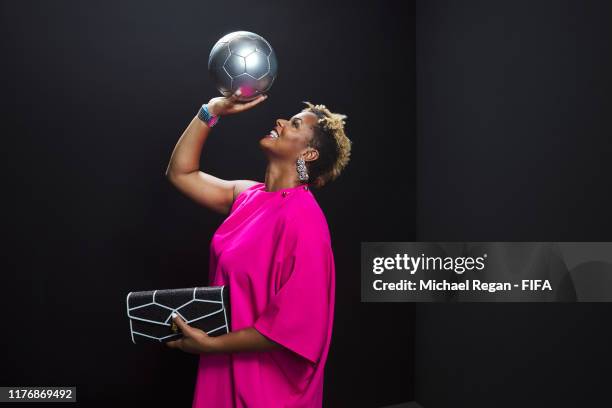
[274, 253]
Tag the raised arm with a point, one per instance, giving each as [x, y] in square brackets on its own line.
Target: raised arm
[184, 172]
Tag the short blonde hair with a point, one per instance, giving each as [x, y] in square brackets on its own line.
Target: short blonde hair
[333, 145]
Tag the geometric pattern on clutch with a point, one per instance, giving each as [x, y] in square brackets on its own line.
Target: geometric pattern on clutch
[150, 312]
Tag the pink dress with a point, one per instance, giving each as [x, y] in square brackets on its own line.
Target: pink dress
[274, 253]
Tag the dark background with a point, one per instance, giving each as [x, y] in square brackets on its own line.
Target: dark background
[512, 101]
[95, 97]
[514, 144]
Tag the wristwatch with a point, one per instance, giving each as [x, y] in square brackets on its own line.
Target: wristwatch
[205, 116]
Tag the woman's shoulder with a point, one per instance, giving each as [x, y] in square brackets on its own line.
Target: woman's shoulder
[305, 204]
[242, 190]
[241, 186]
[306, 214]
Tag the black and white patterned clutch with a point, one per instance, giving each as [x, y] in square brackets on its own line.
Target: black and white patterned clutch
[149, 312]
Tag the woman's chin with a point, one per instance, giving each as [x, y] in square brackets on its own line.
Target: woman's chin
[264, 143]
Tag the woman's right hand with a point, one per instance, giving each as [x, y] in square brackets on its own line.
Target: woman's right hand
[223, 105]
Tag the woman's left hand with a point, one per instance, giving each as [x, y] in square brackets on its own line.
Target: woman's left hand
[194, 340]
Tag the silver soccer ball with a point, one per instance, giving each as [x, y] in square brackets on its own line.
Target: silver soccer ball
[242, 60]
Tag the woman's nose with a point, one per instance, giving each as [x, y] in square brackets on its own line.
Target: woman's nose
[279, 122]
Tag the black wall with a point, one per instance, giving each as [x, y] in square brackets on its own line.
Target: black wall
[514, 144]
[94, 97]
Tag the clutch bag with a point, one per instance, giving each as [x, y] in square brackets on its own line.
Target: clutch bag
[149, 312]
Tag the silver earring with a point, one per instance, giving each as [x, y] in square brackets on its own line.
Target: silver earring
[301, 169]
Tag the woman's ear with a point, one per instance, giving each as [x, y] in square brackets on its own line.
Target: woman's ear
[311, 154]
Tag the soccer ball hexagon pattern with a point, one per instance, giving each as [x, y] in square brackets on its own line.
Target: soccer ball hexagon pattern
[242, 60]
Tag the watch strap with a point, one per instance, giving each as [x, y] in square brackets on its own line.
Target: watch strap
[205, 116]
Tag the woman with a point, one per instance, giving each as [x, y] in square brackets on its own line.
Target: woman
[274, 252]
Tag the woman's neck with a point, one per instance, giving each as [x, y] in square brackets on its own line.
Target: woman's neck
[280, 176]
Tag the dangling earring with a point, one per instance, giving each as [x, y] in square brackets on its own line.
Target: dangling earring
[301, 169]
